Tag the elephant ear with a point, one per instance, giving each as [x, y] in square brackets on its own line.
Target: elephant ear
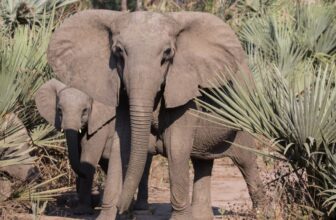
[79, 53]
[99, 116]
[46, 100]
[205, 46]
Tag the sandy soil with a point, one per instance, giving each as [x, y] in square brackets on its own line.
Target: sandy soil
[230, 198]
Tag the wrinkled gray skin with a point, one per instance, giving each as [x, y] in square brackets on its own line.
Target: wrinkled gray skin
[71, 112]
[113, 186]
[159, 58]
[206, 134]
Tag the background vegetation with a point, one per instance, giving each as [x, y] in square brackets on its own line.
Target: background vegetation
[292, 52]
[291, 47]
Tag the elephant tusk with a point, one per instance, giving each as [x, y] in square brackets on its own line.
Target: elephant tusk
[62, 130]
[80, 131]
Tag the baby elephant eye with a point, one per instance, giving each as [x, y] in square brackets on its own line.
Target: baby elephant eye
[167, 52]
[85, 111]
[118, 50]
[167, 55]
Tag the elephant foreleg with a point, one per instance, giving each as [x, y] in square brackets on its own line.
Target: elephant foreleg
[201, 197]
[178, 141]
[91, 152]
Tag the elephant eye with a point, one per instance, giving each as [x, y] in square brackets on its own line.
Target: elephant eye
[167, 55]
[167, 52]
[118, 51]
[85, 111]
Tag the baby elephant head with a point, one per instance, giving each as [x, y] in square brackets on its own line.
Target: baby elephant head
[71, 109]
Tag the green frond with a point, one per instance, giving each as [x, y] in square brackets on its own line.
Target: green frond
[15, 13]
[39, 192]
[23, 69]
[46, 136]
[303, 124]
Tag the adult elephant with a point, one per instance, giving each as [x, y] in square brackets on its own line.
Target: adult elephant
[160, 58]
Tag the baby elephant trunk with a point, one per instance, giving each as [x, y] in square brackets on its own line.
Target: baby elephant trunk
[72, 138]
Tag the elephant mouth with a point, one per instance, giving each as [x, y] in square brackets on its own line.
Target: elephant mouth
[81, 130]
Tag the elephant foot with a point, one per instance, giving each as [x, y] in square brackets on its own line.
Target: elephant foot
[83, 209]
[262, 208]
[141, 207]
[96, 199]
[107, 214]
[181, 215]
[202, 212]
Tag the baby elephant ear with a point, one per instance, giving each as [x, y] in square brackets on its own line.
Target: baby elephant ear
[80, 54]
[46, 100]
[100, 115]
[205, 46]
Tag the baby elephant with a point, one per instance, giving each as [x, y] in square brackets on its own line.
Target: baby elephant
[88, 126]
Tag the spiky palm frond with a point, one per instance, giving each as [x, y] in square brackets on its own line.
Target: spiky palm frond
[291, 55]
[28, 12]
[45, 136]
[23, 67]
[303, 125]
[315, 27]
[39, 191]
[327, 172]
[294, 37]
[14, 142]
[23, 70]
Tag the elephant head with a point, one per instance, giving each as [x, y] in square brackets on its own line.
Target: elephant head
[170, 55]
[72, 110]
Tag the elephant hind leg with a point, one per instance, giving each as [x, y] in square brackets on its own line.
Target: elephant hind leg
[201, 197]
[247, 164]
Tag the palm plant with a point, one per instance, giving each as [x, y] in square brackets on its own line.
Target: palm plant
[28, 12]
[292, 58]
[27, 139]
[302, 126]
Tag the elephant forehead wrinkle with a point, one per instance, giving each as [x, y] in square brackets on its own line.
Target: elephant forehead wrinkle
[73, 97]
[156, 20]
[146, 24]
[144, 35]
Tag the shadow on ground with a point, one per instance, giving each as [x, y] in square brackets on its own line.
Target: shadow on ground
[158, 211]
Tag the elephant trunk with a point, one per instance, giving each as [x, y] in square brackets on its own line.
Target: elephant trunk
[72, 137]
[140, 130]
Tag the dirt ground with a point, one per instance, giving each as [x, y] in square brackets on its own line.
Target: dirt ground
[230, 197]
